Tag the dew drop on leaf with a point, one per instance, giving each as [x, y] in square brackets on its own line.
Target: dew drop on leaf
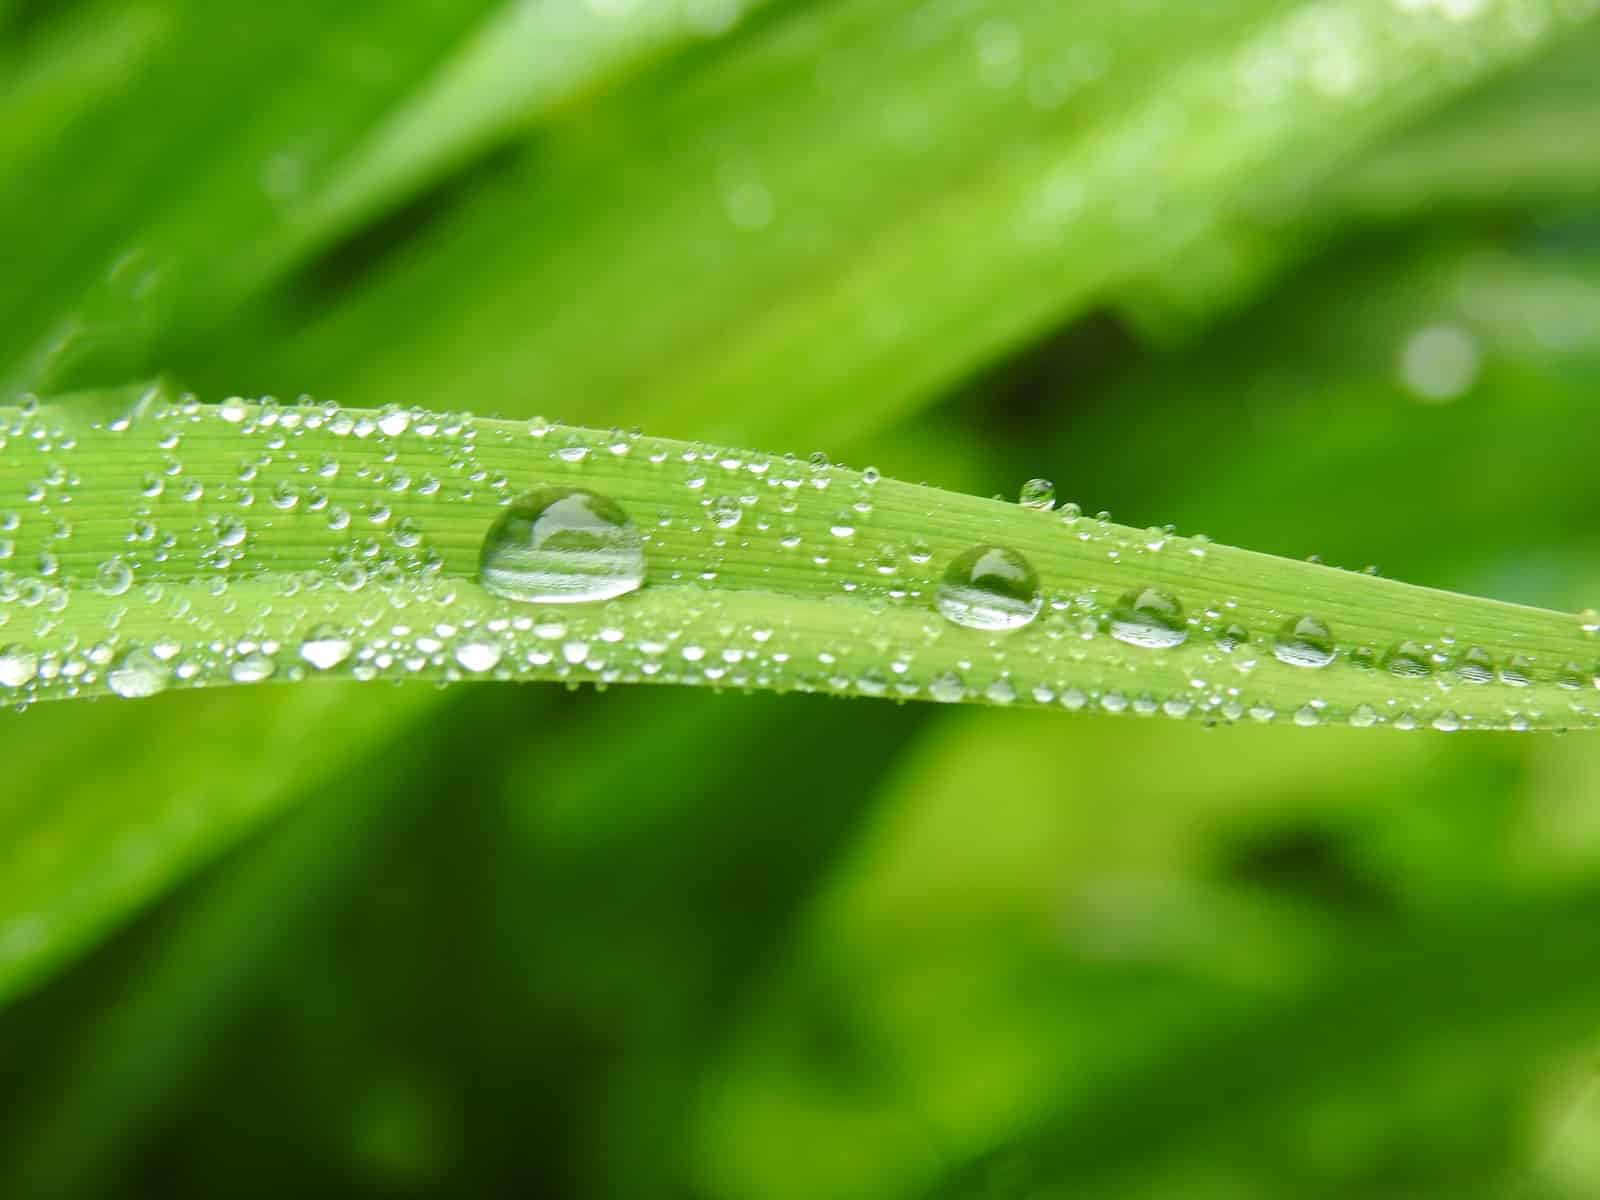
[18, 666]
[253, 668]
[1407, 660]
[477, 655]
[562, 546]
[1039, 494]
[138, 674]
[989, 587]
[1231, 637]
[114, 577]
[325, 647]
[1475, 666]
[1305, 642]
[1150, 618]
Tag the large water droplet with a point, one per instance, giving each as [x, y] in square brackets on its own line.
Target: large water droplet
[1408, 660]
[562, 546]
[138, 674]
[1150, 618]
[989, 587]
[326, 646]
[1039, 494]
[1476, 666]
[1305, 642]
[18, 666]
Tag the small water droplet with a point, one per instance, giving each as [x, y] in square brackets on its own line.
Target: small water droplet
[477, 655]
[1517, 672]
[326, 646]
[989, 587]
[113, 578]
[1475, 666]
[725, 512]
[1150, 618]
[18, 666]
[1039, 494]
[137, 674]
[1407, 660]
[1231, 637]
[562, 546]
[253, 668]
[1305, 642]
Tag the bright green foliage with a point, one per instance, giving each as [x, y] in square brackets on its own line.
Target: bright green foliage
[1313, 277]
[181, 544]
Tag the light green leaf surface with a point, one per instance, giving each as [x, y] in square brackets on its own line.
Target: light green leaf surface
[180, 543]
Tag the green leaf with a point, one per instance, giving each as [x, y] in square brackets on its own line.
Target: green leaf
[191, 545]
[739, 277]
[85, 840]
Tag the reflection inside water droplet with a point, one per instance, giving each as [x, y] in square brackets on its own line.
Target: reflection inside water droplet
[1151, 618]
[989, 587]
[1305, 642]
[562, 546]
[138, 674]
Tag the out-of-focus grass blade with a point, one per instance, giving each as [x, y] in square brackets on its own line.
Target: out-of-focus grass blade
[201, 192]
[121, 1069]
[86, 839]
[1521, 143]
[1477, 356]
[1024, 161]
[1383, 1068]
[1037, 915]
[524, 61]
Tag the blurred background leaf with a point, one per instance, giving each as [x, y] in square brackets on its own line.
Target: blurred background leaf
[1312, 277]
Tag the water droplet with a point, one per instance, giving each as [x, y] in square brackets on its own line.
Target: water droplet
[562, 546]
[1305, 642]
[1150, 618]
[1475, 666]
[1001, 691]
[1518, 671]
[989, 587]
[18, 666]
[1039, 494]
[477, 655]
[114, 577]
[1408, 660]
[1232, 637]
[725, 512]
[253, 668]
[326, 647]
[138, 674]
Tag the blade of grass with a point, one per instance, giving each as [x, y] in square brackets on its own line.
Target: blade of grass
[113, 1081]
[742, 258]
[1398, 1048]
[188, 545]
[86, 840]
